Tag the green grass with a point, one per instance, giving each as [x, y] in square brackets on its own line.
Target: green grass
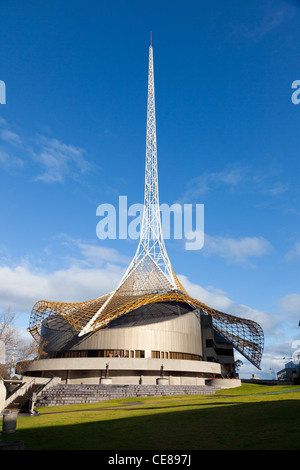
[241, 418]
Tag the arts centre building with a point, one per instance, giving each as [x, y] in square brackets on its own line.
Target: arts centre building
[149, 330]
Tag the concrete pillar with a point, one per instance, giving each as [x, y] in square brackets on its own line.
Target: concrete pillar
[2, 395]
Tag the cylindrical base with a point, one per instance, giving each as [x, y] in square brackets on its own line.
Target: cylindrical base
[106, 380]
[162, 381]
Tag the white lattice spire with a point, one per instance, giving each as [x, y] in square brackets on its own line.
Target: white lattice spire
[151, 244]
[150, 271]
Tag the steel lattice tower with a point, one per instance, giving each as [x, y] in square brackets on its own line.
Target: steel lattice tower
[150, 270]
[151, 246]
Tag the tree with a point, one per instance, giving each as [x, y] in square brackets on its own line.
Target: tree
[237, 365]
[13, 346]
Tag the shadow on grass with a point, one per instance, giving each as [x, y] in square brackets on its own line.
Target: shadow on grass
[132, 407]
[230, 425]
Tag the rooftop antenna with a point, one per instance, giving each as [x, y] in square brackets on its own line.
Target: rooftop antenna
[151, 38]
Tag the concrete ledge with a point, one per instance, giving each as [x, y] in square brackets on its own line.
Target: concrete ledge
[117, 363]
[125, 371]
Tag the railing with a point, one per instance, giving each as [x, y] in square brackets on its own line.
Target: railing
[21, 391]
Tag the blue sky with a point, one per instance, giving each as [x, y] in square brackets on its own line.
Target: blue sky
[72, 137]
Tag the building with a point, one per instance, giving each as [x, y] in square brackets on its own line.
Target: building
[148, 330]
[291, 372]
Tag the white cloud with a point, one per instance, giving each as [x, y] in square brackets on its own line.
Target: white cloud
[21, 287]
[236, 250]
[9, 162]
[57, 160]
[95, 254]
[290, 305]
[89, 254]
[219, 300]
[9, 136]
[294, 253]
[54, 160]
[277, 189]
[92, 271]
[201, 184]
[237, 177]
[272, 16]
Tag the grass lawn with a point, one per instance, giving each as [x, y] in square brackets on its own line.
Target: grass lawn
[248, 417]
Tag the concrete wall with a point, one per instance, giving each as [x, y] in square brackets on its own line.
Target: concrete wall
[125, 370]
[180, 334]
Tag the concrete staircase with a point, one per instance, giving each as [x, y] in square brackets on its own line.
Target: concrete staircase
[70, 394]
[23, 396]
[19, 399]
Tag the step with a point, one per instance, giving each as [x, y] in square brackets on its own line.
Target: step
[86, 393]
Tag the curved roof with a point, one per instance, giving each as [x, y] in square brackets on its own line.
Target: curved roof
[246, 335]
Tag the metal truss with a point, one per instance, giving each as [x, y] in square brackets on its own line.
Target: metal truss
[150, 277]
[245, 335]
